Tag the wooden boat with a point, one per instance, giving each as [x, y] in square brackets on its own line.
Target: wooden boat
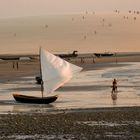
[54, 72]
[33, 99]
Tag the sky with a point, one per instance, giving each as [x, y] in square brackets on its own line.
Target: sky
[18, 8]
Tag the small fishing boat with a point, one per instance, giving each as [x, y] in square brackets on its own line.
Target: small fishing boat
[33, 99]
[54, 73]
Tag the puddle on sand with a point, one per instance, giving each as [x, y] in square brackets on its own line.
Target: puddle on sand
[37, 136]
[109, 124]
[121, 135]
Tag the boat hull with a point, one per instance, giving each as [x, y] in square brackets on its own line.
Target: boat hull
[35, 100]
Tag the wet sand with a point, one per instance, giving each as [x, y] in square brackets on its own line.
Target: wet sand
[84, 124]
[87, 124]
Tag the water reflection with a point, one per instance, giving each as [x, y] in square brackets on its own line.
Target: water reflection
[90, 89]
[114, 98]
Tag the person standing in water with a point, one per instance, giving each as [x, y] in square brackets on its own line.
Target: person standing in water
[114, 86]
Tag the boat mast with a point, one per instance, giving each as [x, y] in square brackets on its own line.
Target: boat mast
[42, 88]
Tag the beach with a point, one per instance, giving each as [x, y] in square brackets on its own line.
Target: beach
[84, 109]
[96, 97]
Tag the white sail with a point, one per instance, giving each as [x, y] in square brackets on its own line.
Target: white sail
[55, 71]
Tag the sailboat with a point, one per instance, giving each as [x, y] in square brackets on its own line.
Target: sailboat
[55, 72]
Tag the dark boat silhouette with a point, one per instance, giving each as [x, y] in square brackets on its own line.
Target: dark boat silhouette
[33, 99]
[74, 54]
[103, 54]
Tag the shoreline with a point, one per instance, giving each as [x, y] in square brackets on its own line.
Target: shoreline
[31, 68]
[76, 110]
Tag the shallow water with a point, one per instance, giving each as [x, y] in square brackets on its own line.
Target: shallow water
[37, 136]
[109, 124]
[89, 89]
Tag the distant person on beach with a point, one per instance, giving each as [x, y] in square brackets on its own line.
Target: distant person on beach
[114, 86]
[17, 65]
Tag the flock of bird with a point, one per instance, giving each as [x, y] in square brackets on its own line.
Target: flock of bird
[131, 13]
[103, 21]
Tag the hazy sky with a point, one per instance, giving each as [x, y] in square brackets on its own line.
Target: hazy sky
[14, 8]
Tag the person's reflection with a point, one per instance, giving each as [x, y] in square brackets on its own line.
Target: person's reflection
[114, 98]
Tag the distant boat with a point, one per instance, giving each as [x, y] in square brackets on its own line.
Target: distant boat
[55, 72]
[73, 54]
[103, 54]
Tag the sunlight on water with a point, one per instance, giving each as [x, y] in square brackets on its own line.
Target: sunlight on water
[89, 89]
